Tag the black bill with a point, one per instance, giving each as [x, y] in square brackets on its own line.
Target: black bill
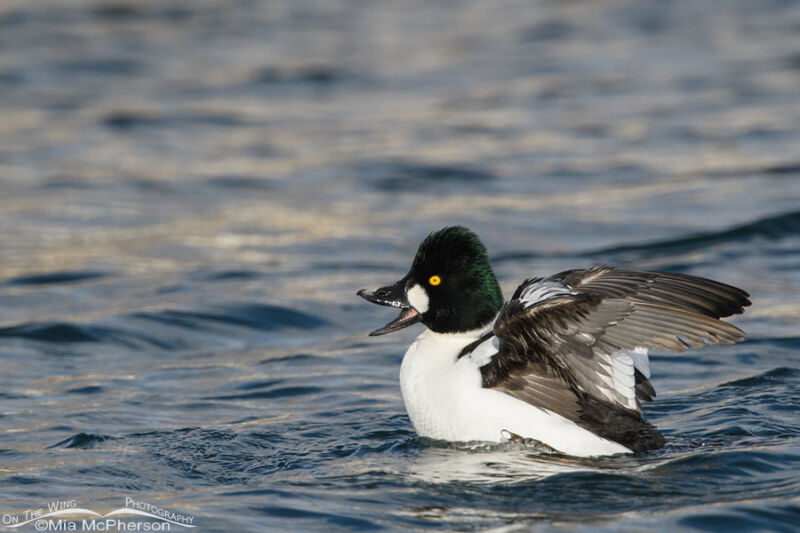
[393, 296]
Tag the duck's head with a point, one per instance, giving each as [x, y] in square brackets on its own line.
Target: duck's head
[450, 288]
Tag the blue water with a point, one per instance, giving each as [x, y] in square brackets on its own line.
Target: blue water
[191, 192]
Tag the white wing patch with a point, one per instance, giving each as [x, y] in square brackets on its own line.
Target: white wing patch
[641, 361]
[542, 290]
[624, 380]
[620, 384]
[485, 351]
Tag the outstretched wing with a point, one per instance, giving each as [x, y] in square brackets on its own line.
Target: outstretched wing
[587, 329]
[690, 293]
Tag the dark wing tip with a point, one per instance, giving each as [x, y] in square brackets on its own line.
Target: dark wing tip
[692, 293]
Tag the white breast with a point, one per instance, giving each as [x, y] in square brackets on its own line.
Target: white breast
[445, 400]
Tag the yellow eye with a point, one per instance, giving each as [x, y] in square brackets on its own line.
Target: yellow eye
[434, 280]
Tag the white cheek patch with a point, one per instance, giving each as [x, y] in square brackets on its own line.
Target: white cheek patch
[418, 298]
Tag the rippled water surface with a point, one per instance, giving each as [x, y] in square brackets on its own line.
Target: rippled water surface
[192, 191]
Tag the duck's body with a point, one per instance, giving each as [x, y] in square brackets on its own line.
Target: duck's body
[445, 400]
[563, 362]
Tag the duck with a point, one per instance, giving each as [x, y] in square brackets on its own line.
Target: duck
[563, 363]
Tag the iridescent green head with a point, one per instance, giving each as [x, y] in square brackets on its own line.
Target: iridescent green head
[450, 288]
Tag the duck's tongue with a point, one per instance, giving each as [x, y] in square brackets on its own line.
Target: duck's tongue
[408, 316]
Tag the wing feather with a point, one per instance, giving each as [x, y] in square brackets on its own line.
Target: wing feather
[705, 296]
[586, 330]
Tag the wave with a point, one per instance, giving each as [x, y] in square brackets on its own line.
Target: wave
[413, 176]
[774, 227]
[780, 375]
[52, 278]
[81, 440]
[131, 333]
[281, 392]
[309, 74]
[55, 332]
[255, 316]
[126, 120]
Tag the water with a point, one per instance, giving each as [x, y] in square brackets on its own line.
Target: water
[191, 192]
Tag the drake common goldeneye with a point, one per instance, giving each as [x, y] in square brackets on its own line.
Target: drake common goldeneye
[563, 362]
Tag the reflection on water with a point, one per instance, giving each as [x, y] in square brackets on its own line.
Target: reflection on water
[192, 191]
[497, 464]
